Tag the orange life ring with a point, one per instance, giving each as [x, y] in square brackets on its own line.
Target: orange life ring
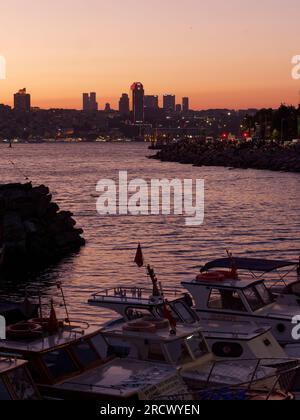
[26, 330]
[160, 324]
[44, 323]
[140, 326]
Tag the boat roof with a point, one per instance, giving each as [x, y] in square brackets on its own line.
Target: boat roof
[251, 264]
[69, 335]
[122, 378]
[8, 364]
[182, 331]
[227, 283]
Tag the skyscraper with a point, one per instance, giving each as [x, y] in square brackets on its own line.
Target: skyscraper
[124, 105]
[22, 101]
[89, 102]
[93, 102]
[169, 103]
[151, 102]
[178, 109]
[107, 107]
[138, 95]
[185, 104]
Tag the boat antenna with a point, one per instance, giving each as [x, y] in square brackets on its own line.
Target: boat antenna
[59, 286]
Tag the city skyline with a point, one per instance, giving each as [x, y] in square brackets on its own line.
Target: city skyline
[214, 55]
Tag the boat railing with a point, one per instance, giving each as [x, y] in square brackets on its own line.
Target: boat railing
[137, 293]
[283, 381]
[283, 374]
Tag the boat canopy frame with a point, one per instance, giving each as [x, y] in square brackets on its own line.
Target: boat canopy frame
[255, 266]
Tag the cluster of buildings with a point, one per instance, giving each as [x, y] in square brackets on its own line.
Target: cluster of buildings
[138, 104]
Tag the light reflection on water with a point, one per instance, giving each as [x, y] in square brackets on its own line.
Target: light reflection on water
[253, 213]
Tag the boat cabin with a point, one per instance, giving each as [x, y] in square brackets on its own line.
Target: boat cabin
[135, 303]
[281, 277]
[226, 340]
[189, 353]
[71, 364]
[52, 358]
[240, 300]
[15, 381]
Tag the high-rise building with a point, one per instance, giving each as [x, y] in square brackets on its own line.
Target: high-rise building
[169, 103]
[178, 108]
[22, 101]
[107, 107]
[93, 102]
[138, 95]
[89, 102]
[185, 104]
[124, 105]
[151, 102]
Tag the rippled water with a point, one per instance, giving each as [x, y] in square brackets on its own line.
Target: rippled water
[254, 213]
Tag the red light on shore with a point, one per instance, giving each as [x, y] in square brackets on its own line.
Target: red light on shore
[246, 135]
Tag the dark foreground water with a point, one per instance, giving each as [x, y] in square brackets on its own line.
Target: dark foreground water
[250, 212]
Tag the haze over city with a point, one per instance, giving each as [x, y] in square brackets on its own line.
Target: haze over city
[234, 54]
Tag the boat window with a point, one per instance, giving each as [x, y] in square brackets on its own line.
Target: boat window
[265, 294]
[179, 352]
[117, 348]
[22, 385]
[155, 352]
[59, 363]
[85, 353]
[226, 300]
[197, 345]
[185, 313]
[100, 345]
[254, 299]
[161, 312]
[4, 394]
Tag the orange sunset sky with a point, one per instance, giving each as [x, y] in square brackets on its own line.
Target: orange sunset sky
[233, 53]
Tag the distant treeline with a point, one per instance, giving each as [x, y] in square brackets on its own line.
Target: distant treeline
[280, 124]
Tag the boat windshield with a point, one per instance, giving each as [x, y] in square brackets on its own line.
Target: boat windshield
[258, 297]
[187, 316]
[4, 394]
[86, 355]
[265, 294]
[197, 345]
[22, 385]
[179, 352]
[60, 364]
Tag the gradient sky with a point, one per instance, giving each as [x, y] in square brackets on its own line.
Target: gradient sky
[233, 53]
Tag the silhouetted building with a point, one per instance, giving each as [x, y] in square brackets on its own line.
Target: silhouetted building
[107, 107]
[89, 102]
[169, 103]
[22, 101]
[124, 105]
[185, 104]
[178, 108]
[151, 102]
[93, 102]
[138, 95]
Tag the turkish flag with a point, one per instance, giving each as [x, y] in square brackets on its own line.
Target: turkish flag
[139, 259]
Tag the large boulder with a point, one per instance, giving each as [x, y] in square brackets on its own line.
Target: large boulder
[33, 231]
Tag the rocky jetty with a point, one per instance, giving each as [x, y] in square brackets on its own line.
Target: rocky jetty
[270, 157]
[33, 231]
